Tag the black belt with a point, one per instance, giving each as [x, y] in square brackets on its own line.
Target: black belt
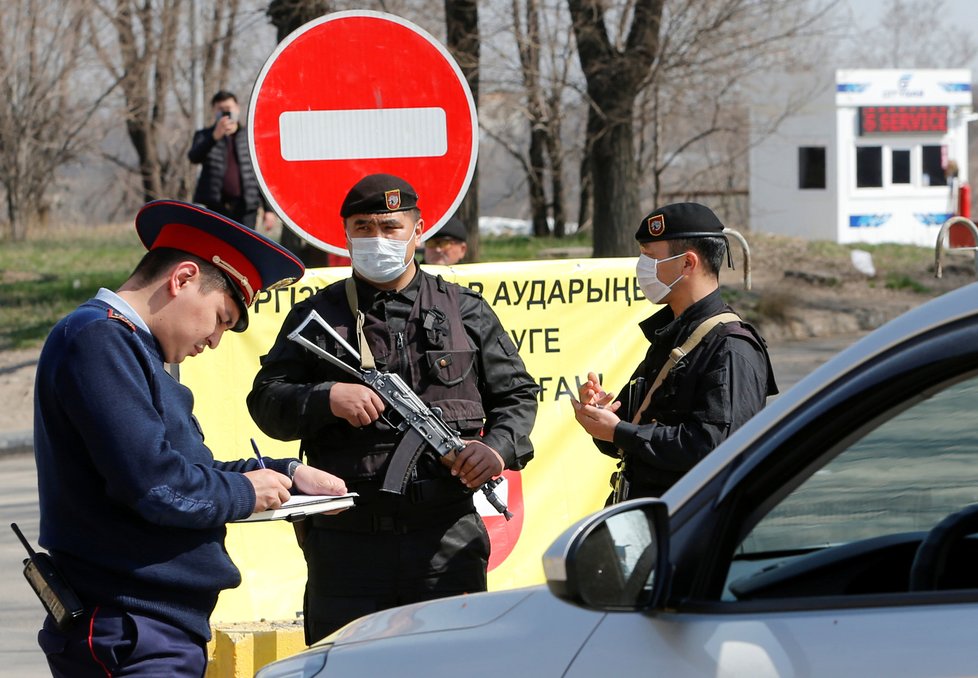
[363, 520]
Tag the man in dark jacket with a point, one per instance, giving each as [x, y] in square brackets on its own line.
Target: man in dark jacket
[227, 183]
[706, 371]
[133, 504]
[450, 348]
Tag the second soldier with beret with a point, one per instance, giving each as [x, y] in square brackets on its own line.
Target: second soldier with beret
[450, 348]
[705, 372]
[448, 246]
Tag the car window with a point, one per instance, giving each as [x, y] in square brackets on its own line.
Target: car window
[903, 476]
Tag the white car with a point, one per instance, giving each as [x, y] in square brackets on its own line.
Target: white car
[827, 537]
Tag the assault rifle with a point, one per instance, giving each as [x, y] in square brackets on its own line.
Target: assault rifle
[422, 425]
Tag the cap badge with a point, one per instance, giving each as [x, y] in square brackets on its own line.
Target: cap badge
[657, 225]
[393, 199]
[239, 277]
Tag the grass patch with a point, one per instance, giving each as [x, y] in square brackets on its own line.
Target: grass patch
[44, 278]
[896, 281]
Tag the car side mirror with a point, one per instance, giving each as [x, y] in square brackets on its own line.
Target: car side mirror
[616, 559]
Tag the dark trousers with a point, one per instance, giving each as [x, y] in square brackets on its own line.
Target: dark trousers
[111, 642]
[351, 574]
[237, 210]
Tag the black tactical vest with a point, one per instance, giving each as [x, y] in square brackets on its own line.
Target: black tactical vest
[432, 354]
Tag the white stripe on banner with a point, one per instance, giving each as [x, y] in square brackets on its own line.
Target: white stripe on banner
[360, 134]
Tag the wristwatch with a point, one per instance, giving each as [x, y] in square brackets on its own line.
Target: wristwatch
[293, 467]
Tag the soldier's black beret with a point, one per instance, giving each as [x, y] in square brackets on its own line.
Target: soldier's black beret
[453, 228]
[249, 260]
[379, 194]
[679, 220]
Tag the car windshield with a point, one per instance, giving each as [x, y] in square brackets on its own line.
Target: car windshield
[903, 476]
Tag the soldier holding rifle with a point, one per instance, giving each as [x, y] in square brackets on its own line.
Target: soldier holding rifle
[447, 345]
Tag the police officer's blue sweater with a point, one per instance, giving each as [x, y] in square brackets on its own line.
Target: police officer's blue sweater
[133, 504]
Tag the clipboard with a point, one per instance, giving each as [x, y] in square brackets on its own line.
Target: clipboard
[301, 505]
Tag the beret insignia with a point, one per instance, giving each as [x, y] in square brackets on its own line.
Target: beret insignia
[393, 199]
[657, 225]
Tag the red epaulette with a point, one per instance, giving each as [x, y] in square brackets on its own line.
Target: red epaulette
[115, 315]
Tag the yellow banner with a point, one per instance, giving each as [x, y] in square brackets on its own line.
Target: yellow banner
[567, 317]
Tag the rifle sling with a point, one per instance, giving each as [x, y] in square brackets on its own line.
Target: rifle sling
[680, 352]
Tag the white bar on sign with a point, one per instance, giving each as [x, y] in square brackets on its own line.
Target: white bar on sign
[360, 134]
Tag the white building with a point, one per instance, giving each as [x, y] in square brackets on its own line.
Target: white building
[867, 162]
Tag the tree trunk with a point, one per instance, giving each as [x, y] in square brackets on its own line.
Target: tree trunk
[286, 16]
[614, 174]
[462, 30]
[614, 78]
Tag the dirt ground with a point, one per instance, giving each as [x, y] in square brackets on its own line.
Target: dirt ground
[794, 296]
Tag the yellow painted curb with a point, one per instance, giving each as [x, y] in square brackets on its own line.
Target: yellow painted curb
[239, 650]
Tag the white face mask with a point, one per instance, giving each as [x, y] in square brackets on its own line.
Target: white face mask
[379, 260]
[645, 270]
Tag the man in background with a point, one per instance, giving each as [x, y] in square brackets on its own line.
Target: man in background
[227, 183]
[447, 246]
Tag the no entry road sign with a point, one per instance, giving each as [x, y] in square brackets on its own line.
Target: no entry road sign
[358, 93]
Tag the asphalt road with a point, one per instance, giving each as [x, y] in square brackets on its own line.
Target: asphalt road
[22, 613]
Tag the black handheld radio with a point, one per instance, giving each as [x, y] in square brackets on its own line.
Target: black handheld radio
[56, 596]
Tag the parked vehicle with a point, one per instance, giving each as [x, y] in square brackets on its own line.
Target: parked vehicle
[827, 537]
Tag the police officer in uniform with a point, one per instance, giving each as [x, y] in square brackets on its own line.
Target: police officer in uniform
[447, 344]
[133, 504]
[706, 371]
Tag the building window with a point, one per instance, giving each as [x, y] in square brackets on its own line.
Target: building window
[932, 166]
[900, 171]
[869, 166]
[811, 167]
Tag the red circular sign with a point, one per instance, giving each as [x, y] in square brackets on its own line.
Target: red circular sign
[358, 93]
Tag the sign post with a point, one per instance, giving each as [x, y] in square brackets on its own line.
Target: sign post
[357, 93]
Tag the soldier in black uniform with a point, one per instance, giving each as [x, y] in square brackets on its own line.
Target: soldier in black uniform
[700, 386]
[447, 344]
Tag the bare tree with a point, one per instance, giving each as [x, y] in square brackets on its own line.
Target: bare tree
[45, 116]
[615, 74]
[669, 88]
[913, 34]
[462, 37]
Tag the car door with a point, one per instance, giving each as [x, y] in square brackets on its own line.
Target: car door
[800, 563]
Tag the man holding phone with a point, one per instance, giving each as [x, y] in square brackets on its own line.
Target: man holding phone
[228, 184]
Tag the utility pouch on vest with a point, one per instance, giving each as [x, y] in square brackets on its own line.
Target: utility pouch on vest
[59, 599]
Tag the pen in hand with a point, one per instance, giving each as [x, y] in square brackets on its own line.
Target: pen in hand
[254, 446]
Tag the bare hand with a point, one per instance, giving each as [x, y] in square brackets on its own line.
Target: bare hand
[269, 220]
[224, 127]
[309, 480]
[477, 463]
[592, 393]
[359, 405]
[271, 488]
[598, 420]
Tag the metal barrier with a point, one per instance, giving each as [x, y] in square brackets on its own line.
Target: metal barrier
[943, 233]
[743, 244]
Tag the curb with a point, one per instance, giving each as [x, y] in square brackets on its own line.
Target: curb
[17, 442]
[238, 650]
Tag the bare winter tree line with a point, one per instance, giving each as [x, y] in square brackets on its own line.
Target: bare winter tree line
[592, 111]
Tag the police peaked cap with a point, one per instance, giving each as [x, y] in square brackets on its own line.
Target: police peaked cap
[249, 260]
[453, 228]
[677, 221]
[379, 194]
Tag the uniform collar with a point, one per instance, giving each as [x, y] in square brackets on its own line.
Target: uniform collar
[109, 297]
[367, 294]
[664, 323]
